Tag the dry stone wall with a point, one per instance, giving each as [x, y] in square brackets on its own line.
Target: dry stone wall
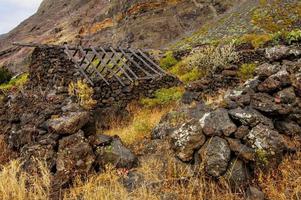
[41, 121]
[256, 124]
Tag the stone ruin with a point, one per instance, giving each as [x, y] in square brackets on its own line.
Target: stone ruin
[255, 125]
[41, 121]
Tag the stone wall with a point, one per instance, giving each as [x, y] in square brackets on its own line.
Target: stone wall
[41, 120]
[255, 126]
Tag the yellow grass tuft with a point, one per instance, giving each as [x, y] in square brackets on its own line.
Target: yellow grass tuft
[144, 120]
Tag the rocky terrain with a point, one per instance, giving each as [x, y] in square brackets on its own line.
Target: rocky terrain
[224, 122]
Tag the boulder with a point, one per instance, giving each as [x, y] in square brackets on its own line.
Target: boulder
[217, 123]
[263, 138]
[265, 70]
[286, 96]
[250, 117]
[116, 154]
[18, 139]
[288, 127]
[266, 103]
[187, 139]
[75, 155]
[69, 123]
[237, 173]
[242, 151]
[215, 155]
[170, 121]
[277, 52]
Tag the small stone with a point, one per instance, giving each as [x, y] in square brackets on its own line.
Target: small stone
[241, 132]
[286, 96]
[215, 155]
[254, 194]
[250, 117]
[188, 138]
[69, 123]
[217, 123]
[237, 173]
[288, 127]
[265, 70]
[242, 151]
[116, 154]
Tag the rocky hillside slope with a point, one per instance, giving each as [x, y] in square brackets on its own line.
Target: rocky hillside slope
[144, 24]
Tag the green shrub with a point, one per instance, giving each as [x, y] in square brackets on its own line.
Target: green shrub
[247, 71]
[16, 82]
[293, 36]
[5, 75]
[168, 60]
[163, 96]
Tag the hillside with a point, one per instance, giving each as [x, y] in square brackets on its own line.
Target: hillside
[143, 24]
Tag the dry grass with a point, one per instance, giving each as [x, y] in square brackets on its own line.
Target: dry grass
[18, 185]
[144, 120]
[163, 176]
[285, 182]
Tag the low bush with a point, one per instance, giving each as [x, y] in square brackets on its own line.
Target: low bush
[293, 36]
[16, 82]
[83, 93]
[163, 96]
[168, 60]
[247, 70]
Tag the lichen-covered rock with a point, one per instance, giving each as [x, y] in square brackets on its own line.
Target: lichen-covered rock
[116, 154]
[265, 70]
[277, 52]
[263, 138]
[242, 151]
[69, 123]
[171, 121]
[217, 123]
[215, 155]
[188, 138]
[250, 117]
[75, 155]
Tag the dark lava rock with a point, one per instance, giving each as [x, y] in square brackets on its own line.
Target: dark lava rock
[265, 70]
[265, 139]
[116, 154]
[215, 155]
[237, 173]
[250, 117]
[242, 151]
[275, 82]
[75, 155]
[286, 96]
[217, 123]
[288, 127]
[188, 138]
[241, 132]
[69, 123]
[277, 52]
[100, 140]
[267, 104]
